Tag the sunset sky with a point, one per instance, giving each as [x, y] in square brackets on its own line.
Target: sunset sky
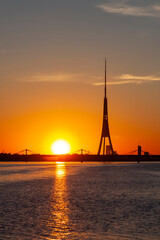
[52, 72]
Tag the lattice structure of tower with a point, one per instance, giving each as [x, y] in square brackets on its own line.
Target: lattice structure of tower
[105, 143]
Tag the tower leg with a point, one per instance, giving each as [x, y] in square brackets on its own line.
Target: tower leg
[99, 150]
[110, 143]
[104, 147]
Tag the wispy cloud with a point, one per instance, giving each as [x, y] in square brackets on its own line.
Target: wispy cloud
[121, 8]
[93, 80]
[61, 77]
[139, 79]
[111, 83]
[128, 79]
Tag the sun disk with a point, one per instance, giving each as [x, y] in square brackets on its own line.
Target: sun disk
[60, 147]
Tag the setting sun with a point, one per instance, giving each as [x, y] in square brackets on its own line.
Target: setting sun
[60, 147]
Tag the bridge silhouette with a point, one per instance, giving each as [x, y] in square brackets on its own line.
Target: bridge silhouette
[82, 151]
[139, 151]
[81, 155]
[25, 152]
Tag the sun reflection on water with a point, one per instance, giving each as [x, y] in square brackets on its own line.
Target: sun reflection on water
[59, 209]
[60, 170]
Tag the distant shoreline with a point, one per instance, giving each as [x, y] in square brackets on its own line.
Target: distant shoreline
[78, 158]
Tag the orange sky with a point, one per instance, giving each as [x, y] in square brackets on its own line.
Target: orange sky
[52, 71]
[41, 116]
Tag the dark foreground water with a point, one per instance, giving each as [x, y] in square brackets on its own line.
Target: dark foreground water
[79, 201]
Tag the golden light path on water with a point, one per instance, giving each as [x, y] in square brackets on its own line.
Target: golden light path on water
[59, 209]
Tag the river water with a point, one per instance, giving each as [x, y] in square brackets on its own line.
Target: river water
[79, 201]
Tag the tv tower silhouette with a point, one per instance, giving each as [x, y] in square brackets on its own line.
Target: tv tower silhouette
[107, 148]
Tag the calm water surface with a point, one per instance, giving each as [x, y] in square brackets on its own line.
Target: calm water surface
[79, 201]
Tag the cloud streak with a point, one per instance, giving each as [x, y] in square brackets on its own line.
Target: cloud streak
[112, 83]
[129, 10]
[64, 77]
[96, 80]
[128, 79]
[140, 79]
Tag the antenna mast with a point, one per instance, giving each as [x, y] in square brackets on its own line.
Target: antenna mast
[105, 81]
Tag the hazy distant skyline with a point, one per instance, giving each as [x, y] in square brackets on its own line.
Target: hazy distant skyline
[52, 72]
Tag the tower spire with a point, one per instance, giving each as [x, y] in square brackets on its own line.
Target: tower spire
[105, 80]
[106, 146]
